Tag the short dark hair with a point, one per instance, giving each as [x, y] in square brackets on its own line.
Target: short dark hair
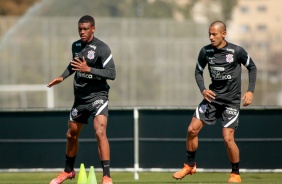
[220, 23]
[87, 19]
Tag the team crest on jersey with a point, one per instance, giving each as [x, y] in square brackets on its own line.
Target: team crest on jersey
[91, 54]
[229, 58]
[74, 112]
[203, 108]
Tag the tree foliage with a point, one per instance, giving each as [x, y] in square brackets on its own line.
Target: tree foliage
[120, 8]
[15, 7]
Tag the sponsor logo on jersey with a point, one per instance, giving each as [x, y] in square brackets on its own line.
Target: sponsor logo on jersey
[217, 68]
[74, 112]
[84, 75]
[231, 111]
[231, 50]
[229, 58]
[203, 108]
[209, 50]
[217, 75]
[91, 54]
[92, 46]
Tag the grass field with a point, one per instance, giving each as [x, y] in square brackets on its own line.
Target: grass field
[145, 177]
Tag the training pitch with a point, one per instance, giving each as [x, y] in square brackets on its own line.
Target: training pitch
[144, 177]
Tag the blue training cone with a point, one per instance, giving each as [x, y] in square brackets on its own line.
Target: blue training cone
[82, 176]
[91, 176]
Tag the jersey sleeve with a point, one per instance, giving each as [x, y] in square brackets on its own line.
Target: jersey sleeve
[201, 64]
[68, 71]
[247, 61]
[108, 66]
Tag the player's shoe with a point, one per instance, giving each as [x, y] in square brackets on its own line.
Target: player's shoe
[234, 178]
[107, 180]
[186, 170]
[62, 177]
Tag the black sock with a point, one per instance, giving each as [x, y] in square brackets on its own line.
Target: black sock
[191, 158]
[69, 164]
[235, 168]
[106, 167]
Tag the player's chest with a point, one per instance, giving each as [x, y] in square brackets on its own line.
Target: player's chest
[90, 54]
[221, 59]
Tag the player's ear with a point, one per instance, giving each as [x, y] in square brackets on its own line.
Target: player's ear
[224, 33]
[93, 29]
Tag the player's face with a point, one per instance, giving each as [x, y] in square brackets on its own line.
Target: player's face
[86, 31]
[217, 37]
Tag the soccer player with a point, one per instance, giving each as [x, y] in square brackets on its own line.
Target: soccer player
[92, 64]
[222, 99]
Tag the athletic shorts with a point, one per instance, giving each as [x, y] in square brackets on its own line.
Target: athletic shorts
[81, 111]
[210, 112]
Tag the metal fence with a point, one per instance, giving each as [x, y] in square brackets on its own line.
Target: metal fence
[146, 136]
[155, 61]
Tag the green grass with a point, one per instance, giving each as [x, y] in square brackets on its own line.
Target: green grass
[145, 177]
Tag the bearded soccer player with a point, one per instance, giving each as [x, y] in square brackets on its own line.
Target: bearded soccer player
[222, 99]
[92, 64]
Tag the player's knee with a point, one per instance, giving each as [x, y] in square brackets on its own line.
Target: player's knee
[71, 137]
[192, 132]
[100, 133]
[228, 140]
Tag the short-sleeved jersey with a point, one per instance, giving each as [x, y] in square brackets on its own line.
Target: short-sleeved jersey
[99, 57]
[224, 67]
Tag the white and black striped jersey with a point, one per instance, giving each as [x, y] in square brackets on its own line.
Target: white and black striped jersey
[99, 57]
[224, 67]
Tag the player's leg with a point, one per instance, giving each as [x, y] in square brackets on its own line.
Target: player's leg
[198, 121]
[79, 114]
[233, 154]
[192, 140]
[72, 145]
[230, 123]
[191, 145]
[232, 148]
[100, 126]
[99, 108]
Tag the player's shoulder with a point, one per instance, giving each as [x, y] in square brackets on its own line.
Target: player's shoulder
[207, 49]
[100, 44]
[76, 46]
[234, 47]
[77, 43]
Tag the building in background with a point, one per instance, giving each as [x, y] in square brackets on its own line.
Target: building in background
[256, 25]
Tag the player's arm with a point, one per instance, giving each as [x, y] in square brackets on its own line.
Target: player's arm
[201, 64]
[108, 71]
[247, 61]
[68, 71]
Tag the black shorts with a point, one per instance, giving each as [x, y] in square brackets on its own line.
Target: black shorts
[210, 112]
[81, 111]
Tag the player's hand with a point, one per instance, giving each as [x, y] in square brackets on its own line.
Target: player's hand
[80, 65]
[55, 81]
[247, 98]
[208, 95]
